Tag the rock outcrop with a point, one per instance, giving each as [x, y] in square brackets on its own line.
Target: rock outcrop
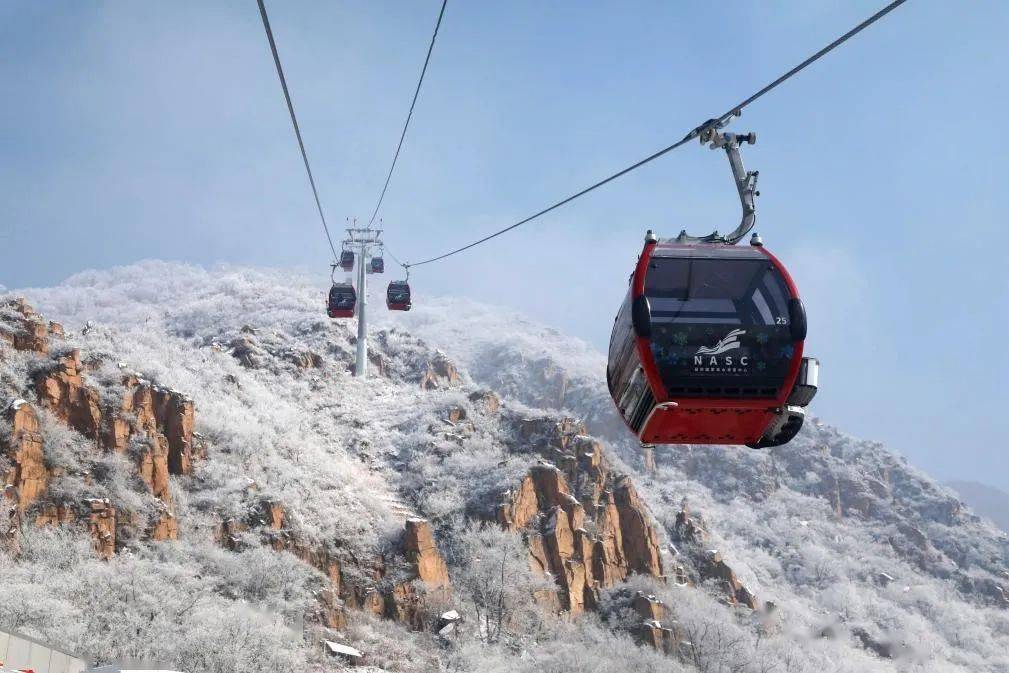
[421, 551]
[24, 329]
[406, 584]
[439, 373]
[689, 533]
[98, 516]
[101, 518]
[486, 401]
[61, 389]
[656, 628]
[153, 425]
[22, 463]
[555, 505]
[713, 567]
[164, 419]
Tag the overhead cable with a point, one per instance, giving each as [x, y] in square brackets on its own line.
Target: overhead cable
[713, 123]
[413, 103]
[294, 121]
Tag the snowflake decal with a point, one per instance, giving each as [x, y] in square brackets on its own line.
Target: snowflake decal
[680, 338]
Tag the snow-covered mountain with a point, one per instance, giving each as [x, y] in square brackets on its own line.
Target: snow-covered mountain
[195, 479]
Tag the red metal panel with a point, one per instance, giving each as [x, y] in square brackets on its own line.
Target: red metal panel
[645, 345]
[680, 425]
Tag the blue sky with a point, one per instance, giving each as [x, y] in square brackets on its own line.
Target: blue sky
[157, 130]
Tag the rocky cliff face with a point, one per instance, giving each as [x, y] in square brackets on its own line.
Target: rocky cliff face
[25, 475]
[24, 329]
[584, 524]
[554, 507]
[154, 425]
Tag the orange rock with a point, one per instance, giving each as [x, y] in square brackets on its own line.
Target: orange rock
[551, 487]
[305, 359]
[624, 541]
[102, 527]
[568, 570]
[486, 400]
[228, 535]
[65, 394]
[653, 633]
[176, 418]
[574, 511]
[165, 526]
[686, 529]
[548, 600]
[272, 513]
[649, 607]
[521, 506]
[713, 567]
[585, 551]
[117, 434]
[559, 541]
[404, 605]
[333, 614]
[609, 564]
[641, 542]
[23, 449]
[23, 328]
[421, 550]
[155, 411]
[153, 468]
[55, 515]
[538, 561]
[440, 373]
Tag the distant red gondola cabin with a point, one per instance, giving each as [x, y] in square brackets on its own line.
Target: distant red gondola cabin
[347, 260]
[342, 300]
[377, 265]
[397, 297]
[707, 347]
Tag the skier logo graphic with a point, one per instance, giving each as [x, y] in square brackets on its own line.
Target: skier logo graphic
[729, 342]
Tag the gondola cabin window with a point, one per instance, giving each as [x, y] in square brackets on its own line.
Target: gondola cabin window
[719, 326]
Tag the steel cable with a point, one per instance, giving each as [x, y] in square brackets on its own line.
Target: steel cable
[716, 122]
[294, 121]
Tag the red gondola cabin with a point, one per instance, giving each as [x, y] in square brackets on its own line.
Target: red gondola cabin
[397, 297]
[347, 260]
[377, 265]
[707, 347]
[342, 300]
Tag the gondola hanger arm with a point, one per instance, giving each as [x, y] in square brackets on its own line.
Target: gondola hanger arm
[746, 181]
